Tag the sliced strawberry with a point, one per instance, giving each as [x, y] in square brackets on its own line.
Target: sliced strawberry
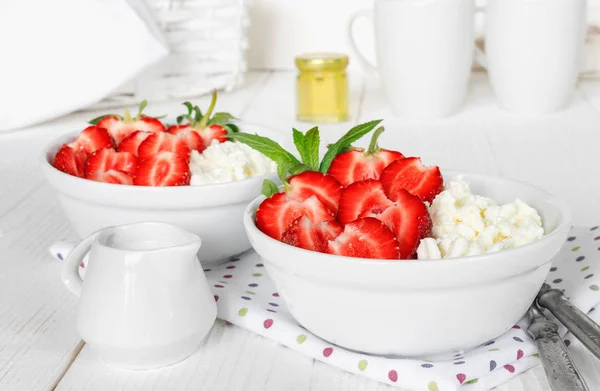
[191, 137]
[163, 169]
[305, 234]
[358, 164]
[108, 159]
[159, 142]
[410, 174]
[92, 139]
[408, 219]
[213, 132]
[70, 161]
[276, 213]
[309, 183]
[366, 238]
[121, 128]
[112, 176]
[362, 197]
[132, 142]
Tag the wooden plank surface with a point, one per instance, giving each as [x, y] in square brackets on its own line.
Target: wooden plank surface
[39, 347]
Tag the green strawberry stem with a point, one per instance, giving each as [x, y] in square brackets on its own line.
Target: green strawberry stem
[206, 117]
[374, 147]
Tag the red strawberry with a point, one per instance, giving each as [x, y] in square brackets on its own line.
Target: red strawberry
[192, 138]
[357, 165]
[132, 142]
[410, 174]
[120, 127]
[159, 142]
[362, 197]
[276, 213]
[408, 219]
[70, 161]
[112, 176]
[304, 234]
[163, 169]
[366, 238]
[208, 128]
[92, 139]
[309, 183]
[108, 159]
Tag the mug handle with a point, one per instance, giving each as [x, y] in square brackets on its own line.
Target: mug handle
[70, 271]
[370, 68]
[480, 57]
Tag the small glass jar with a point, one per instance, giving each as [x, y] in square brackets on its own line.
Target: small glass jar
[322, 87]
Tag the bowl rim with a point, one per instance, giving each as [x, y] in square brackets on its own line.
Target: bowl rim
[250, 223]
[57, 142]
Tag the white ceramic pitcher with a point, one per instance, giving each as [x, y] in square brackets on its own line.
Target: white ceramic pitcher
[145, 302]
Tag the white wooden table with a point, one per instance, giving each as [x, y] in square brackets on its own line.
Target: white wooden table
[40, 350]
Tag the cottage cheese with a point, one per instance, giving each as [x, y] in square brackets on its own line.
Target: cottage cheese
[467, 224]
[228, 162]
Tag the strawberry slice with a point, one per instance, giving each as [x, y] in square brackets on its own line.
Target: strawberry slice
[312, 183]
[163, 169]
[357, 165]
[408, 219]
[120, 127]
[276, 213]
[410, 174]
[70, 161]
[163, 142]
[208, 128]
[92, 139]
[366, 238]
[112, 176]
[305, 234]
[192, 138]
[132, 142]
[362, 197]
[108, 159]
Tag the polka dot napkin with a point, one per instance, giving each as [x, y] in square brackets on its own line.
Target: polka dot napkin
[247, 297]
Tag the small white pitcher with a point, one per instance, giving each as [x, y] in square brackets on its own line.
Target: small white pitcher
[145, 302]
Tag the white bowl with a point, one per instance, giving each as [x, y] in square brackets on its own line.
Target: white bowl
[213, 212]
[422, 307]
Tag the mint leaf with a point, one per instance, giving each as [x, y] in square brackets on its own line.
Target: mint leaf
[269, 188]
[220, 118]
[98, 119]
[312, 140]
[345, 141]
[285, 160]
[299, 169]
[299, 142]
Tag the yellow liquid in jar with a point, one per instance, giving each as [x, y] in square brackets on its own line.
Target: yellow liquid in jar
[322, 89]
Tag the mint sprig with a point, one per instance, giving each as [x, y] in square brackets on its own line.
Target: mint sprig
[307, 145]
[344, 142]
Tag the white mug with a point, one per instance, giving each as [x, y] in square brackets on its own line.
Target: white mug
[534, 52]
[145, 302]
[424, 53]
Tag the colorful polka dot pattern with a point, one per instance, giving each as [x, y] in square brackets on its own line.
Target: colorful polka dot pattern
[247, 298]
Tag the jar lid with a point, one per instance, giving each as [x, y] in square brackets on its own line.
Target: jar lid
[321, 61]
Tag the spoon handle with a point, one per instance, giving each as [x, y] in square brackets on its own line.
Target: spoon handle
[560, 369]
[578, 323]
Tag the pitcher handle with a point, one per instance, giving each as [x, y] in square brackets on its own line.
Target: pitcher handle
[70, 271]
[370, 68]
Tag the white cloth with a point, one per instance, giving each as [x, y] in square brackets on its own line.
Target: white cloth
[62, 55]
[246, 297]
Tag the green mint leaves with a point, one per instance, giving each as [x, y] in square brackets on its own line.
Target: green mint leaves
[344, 142]
[308, 147]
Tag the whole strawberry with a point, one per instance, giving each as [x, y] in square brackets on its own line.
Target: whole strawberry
[119, 127]
[208, 128]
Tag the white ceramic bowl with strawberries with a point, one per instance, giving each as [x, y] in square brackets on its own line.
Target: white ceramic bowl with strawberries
[213, 212]
[416, 307]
